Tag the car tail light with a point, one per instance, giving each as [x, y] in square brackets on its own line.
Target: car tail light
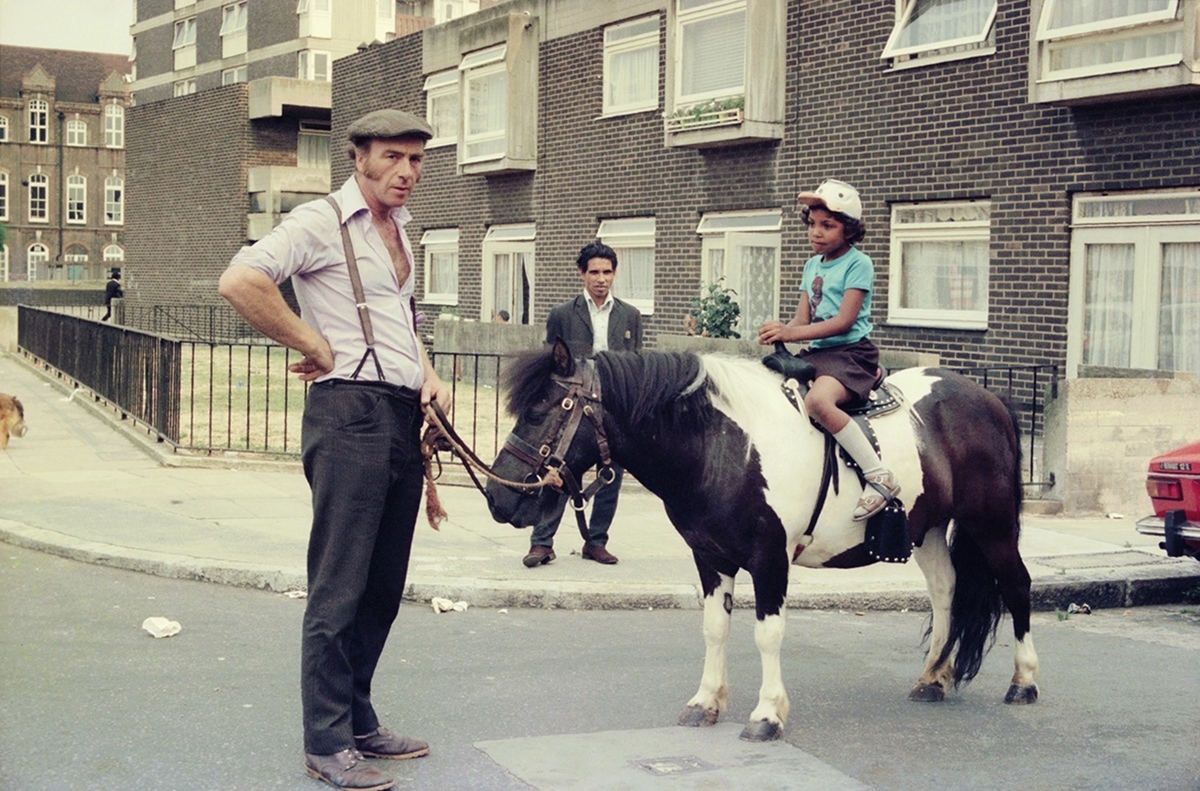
[1164, 489]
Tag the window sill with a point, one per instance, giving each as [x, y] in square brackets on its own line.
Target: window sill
[439, 299]
[930, 322]
[1116, 87]
[743, 132]
[497, 167]
[949, 57]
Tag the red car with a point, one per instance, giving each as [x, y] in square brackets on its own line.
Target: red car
[1174, 488]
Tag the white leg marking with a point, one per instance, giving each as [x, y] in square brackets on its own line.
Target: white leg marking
[714, 682]
[933, 558]
[1026, 662]
[773, 701]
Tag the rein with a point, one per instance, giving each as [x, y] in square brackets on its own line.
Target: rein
[547, 460]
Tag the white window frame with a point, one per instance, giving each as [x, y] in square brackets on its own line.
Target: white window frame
[3, 196]
[1136, 219]
[76, 194]
[113, 254]
[42, 203]
[942, 221]
[114, 126]
[76, 133]
[4, 263]
[442, 88]
[385, 20]
[184, 87]
[183, 43]
[70, 257]
[234, 76]
[38, 115]
[978, 44]
[3, 128]
[114, 200]
[624, 39]
[480, 65]
[698, 12]
[441, 249]
[314, 64]
[233, 29]
[36, 253]
[1161, 24]
[512, 240]
[625, 235]
[315, 18]
[722, 233]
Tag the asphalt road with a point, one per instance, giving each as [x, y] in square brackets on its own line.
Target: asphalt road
[562, 700]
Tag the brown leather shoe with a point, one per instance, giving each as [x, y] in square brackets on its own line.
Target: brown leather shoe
[385, 744]
[538, 555]
[598, 553]
[347, 771]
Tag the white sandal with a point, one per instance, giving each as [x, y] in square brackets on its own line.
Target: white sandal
[881, 488]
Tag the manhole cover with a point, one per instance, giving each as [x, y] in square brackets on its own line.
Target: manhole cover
[676, 765]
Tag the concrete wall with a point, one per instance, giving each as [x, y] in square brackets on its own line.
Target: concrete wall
[8, 328]
[1102, 433]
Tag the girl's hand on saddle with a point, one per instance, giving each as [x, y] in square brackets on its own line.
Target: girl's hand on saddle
[774, 331]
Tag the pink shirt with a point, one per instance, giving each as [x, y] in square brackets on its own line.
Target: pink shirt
[307, 247]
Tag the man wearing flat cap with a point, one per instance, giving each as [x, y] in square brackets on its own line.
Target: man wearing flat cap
[350, 262]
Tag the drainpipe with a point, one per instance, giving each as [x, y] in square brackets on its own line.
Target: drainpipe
[62, 177]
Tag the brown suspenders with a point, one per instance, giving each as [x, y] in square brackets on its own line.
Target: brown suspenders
[360, 301]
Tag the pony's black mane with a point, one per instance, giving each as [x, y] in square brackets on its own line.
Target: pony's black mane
[635, 385]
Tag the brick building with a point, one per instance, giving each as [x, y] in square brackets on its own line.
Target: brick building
[1031, 180]
[62, 163]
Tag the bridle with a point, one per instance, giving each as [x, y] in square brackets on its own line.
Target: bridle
[547, 459]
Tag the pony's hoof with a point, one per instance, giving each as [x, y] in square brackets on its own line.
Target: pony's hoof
[1022, 695]
[927, 693]
[761, 731]
[698, 717]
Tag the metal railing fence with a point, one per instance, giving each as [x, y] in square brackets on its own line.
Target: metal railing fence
[211, 396]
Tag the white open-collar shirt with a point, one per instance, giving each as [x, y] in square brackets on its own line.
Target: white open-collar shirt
[307, 247]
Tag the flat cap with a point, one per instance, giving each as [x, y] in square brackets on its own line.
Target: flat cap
[385, 124]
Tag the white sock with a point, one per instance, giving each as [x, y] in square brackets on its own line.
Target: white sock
[852, 438]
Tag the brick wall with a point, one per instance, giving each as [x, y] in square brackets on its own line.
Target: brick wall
[187, 201]
[956, 130]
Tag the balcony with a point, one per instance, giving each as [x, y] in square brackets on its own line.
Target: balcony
[274, 191]
[275, 97]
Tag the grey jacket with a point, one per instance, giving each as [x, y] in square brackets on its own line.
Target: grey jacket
[572, 322]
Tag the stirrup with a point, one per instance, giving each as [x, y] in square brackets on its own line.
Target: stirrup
[876, 495]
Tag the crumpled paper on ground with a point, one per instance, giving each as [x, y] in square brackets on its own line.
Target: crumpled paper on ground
[445, 605]
[161, 627]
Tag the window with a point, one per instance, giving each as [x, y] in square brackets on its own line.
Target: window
[710, 49]
[1135, 281]
[114, 200]
[316, 18]
[508, 272]
[76, 133]
[940, 256]
[184, 43]
[39, 198]
[3, 263]
[313, 65]
[385, 20]
[76, 199]
[939, 30]
[485, 104]
[114, 125]
[113, 253]
[313, 145]
[76, 254]
[39, 123]
[631, 66]
[233, 29]
[441, 266]
[3, 196]
[441, 107]
[633, 240]
[3, 129]
[233, 76]
[37, 257]
[742, 249]
[184, 88]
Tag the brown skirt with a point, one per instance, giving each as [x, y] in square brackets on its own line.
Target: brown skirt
[855, 365]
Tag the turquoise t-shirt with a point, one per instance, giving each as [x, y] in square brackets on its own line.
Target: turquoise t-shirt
[825, 283]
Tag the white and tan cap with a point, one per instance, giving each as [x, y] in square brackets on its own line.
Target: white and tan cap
[837, 196]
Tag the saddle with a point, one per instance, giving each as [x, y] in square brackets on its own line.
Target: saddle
[886, 537]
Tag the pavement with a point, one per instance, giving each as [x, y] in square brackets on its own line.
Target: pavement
[89, 485]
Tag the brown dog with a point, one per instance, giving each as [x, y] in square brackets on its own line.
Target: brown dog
[12, 419]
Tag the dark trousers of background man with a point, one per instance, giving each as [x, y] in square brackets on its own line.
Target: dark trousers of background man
[362, 457]
[604, 505]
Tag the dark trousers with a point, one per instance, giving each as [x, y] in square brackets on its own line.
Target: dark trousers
[361, 452]
[604, 506]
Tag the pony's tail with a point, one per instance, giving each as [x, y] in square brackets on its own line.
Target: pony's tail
[975, 612]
